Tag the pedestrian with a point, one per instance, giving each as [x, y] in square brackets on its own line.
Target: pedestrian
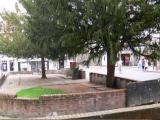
[146, 65]
[140, 64]
[120, 66]
[143, 64]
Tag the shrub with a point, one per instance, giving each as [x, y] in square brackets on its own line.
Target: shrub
[73, 72]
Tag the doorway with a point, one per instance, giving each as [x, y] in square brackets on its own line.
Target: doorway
[126, 59]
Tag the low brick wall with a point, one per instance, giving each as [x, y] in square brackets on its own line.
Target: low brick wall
[61, 104]
[123, 82]
[146, 112]
[97, 78]
[101, 79]
[137, 93]
[143, 92]
[63, 71]
[82, 74]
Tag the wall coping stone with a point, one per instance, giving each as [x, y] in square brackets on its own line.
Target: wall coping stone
[61, 96]
[79, 94]
[115, 77]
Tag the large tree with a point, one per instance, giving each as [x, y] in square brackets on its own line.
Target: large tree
[92, 26]
[14, 41]
[42, 28]
[105, 26]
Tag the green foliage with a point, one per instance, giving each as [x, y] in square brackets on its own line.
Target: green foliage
[42, 26]
[97, 27]
[14, 42]
[37, 92]
[72, 71]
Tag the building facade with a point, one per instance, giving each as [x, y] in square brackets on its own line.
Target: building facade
[11, 64]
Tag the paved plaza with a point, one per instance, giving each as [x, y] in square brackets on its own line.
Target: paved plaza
[16, 82]
[130, 72]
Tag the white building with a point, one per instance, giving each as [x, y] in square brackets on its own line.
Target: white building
[10, 64]
[127, 57]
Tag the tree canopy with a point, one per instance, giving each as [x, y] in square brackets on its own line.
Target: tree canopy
[95, 27]
[42, 26]
[43, 29]
[105, 26]
[14, 41]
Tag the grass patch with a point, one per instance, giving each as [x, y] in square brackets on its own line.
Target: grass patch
[36, 92]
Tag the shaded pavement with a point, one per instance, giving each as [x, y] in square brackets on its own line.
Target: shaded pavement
[17, 82]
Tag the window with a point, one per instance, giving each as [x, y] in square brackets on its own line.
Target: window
[4, 65]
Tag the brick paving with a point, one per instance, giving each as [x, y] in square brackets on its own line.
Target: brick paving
[79, 87]
[17, 82]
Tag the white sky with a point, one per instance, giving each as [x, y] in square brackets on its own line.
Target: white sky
[7, 5]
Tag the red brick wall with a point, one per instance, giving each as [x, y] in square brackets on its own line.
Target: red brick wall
[145, 112]
[61, 104]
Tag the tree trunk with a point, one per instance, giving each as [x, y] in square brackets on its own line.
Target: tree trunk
[43, 68]
[110, 80]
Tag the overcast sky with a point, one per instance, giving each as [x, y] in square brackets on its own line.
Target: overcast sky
[8, 5]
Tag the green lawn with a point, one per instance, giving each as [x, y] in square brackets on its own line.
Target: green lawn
[36, 92]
